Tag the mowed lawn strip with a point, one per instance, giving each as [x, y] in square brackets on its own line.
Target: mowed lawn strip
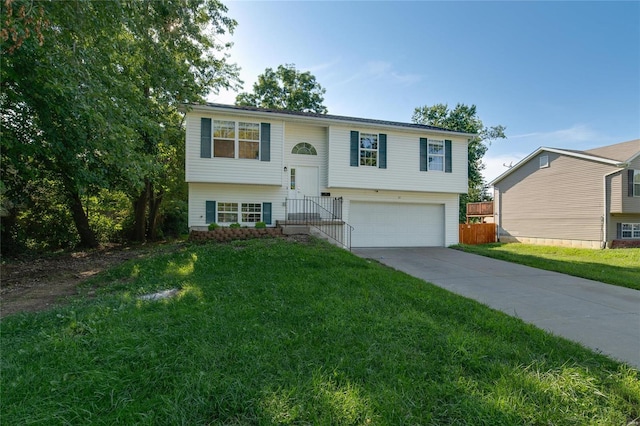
[275, 332]
[619, 267]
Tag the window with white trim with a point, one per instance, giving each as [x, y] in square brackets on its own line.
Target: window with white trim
[544, 161]
[435, 155]
[251, 212]
[304, 148]
[232, 139]
[368, 149]
[243, 213]
[630, 230]
[227, 212]
[636, 183]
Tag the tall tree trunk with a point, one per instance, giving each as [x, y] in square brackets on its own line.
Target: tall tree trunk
[140, 214]
[87, 236]
[8, 232]
[155, 199]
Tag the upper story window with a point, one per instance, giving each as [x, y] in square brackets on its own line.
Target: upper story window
[304, 148]
[368, 149]
[636, 183]
[544, 161]
[233, 139]
[435, 152]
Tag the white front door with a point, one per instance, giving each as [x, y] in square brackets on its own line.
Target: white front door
[303, 180]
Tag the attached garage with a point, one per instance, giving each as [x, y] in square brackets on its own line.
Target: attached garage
[397, 224]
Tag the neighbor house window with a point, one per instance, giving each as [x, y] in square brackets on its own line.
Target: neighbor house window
[636, 183]
[435, 155]
[230, 137]
[630, 230]
[368, 149]
[304, 148]
[544, 161]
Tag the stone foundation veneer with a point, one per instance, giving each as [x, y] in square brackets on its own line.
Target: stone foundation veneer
[229, 234]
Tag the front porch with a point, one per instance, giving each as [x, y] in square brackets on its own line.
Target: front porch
[318, 216]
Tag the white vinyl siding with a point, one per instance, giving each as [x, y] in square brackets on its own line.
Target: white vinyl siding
[238, 195]
[402, 172]
[232, 170]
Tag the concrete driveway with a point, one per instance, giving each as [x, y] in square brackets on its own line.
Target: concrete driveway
[600, 316]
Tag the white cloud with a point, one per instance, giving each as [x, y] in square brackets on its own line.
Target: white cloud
[577, 135]
[382, 70]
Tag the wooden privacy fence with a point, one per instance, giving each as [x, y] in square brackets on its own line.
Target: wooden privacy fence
[477, 233]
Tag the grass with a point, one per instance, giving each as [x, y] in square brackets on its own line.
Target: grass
[272, 332]
[619, 267]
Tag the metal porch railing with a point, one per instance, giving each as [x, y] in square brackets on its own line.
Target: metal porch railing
[324, 214]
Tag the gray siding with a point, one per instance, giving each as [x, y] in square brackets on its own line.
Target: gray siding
[562, 201]
[620, 218]
[616, 191]
[629, 204]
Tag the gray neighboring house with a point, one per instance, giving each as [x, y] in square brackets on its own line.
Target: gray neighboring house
[572, 198]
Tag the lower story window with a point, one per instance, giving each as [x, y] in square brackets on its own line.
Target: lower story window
[631, 230]
[227, 212]
[239, 212]
[251, 212]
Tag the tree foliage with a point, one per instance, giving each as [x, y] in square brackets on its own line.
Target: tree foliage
[91, 103]
[286, 89]
[464, 118]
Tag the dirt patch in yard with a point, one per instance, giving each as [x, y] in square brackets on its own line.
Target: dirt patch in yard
[37, 283]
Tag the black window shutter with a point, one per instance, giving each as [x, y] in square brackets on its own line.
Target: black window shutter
[382, 151]
[618, 230]
[265, 141]
[423, 154]
[355, 148]
[447, 156]
[211, 212]
[266, 213]
[630, 183]
[205, 138]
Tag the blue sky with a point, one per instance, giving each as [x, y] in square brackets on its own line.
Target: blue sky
[556, 74]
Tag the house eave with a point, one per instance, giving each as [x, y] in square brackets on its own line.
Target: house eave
[323, 119]
[525, 160]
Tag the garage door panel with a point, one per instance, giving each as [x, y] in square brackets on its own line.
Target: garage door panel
[396, 224]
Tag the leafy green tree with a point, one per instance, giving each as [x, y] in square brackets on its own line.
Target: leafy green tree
[285, 89]
[464, 118]
[92, 101]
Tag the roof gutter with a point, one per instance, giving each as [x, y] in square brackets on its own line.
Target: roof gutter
[326, 120]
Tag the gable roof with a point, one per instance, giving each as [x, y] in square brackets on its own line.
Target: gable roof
[324, 118]
[617, 155]
[623, 152]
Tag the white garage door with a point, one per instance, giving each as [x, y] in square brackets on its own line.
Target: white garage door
[396, 225]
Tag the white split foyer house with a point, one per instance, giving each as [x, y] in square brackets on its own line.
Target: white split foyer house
[387, 184]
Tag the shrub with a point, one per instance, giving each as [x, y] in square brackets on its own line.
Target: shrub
[261, 225]
[213, 226]
[235, 225]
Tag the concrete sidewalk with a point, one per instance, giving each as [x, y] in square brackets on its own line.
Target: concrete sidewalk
[603, 317]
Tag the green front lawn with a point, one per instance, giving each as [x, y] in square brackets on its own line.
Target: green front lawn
[620, 266]
[273, 332]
